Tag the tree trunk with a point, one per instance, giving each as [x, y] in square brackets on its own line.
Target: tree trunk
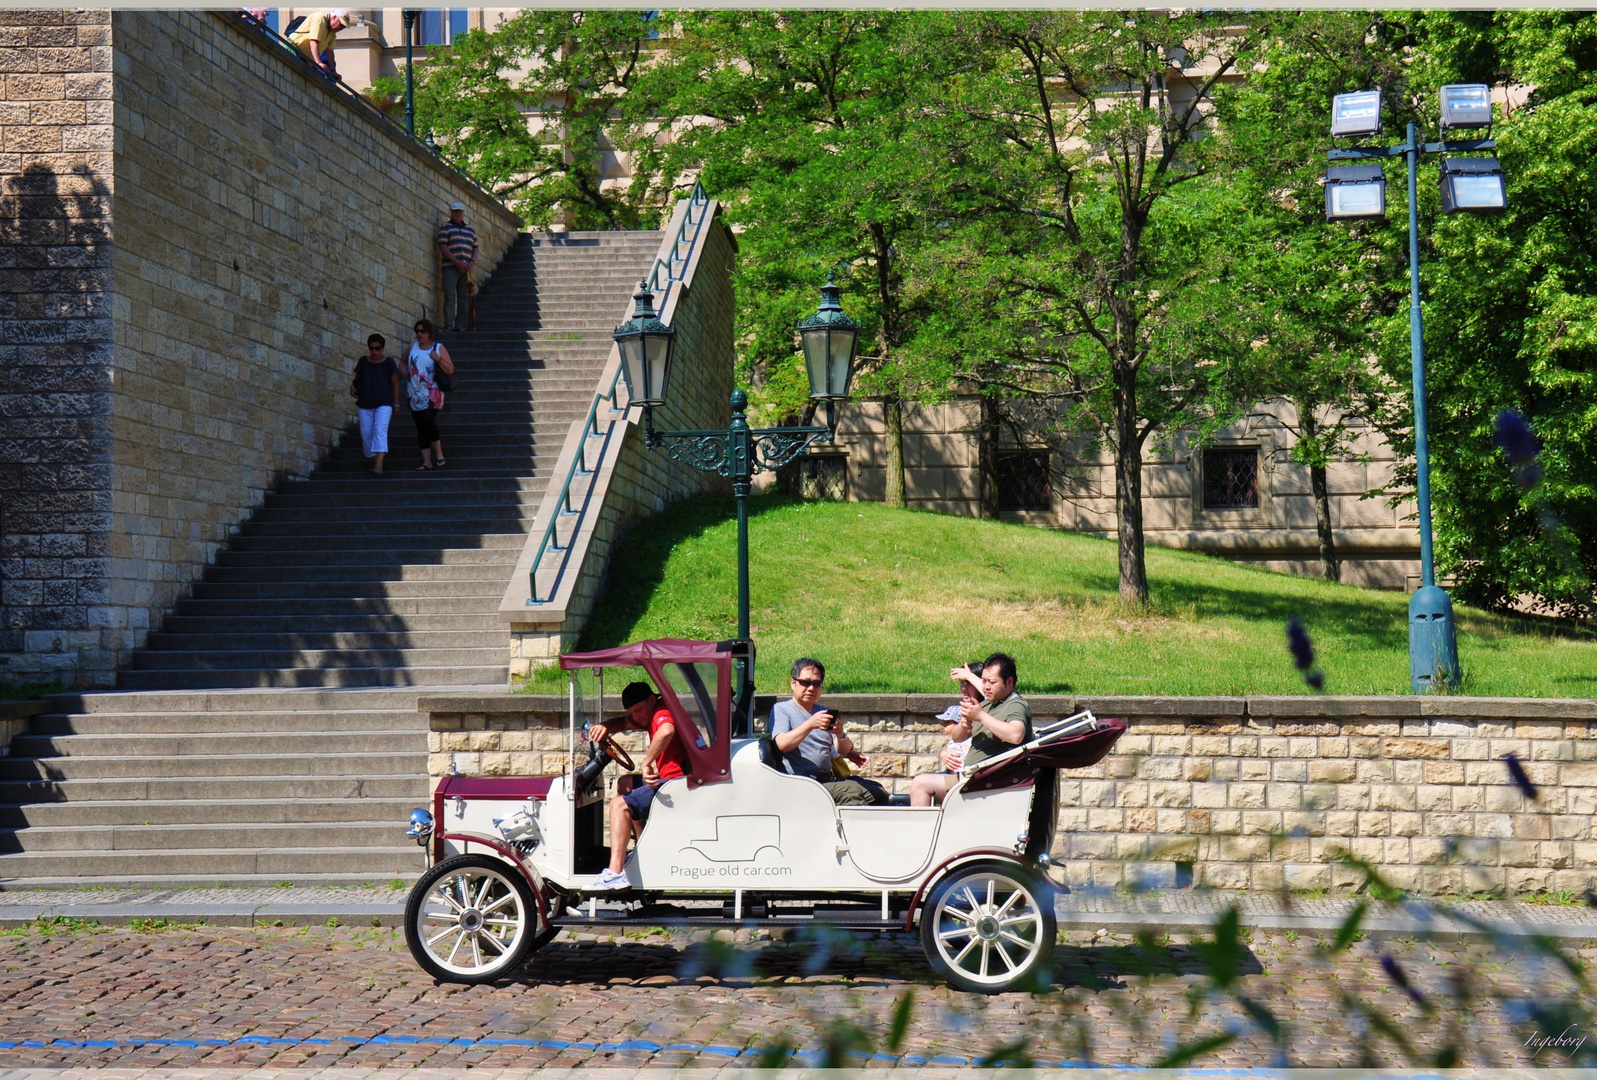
[1329, 566]
[987, 458]
[1128, 490]
[893, 416]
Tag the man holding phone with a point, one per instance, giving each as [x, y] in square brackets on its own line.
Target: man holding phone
[810, 738]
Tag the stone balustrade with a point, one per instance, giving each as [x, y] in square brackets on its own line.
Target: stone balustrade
[1259, 792]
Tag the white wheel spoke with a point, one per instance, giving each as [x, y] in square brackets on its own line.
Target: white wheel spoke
[1016, 938]
[463, 887]
[459, 941]
[971, 903]
[969, 945]
[1016, 920]
[501, 922]
[957, 932]
[991, 885]
[1003, 954]
[499, 903]
[476, 953]
[986, 953]
[445, 932]
[443, 894]
[498, 945]
[1016, 895]
[451, 916]
[482, 893]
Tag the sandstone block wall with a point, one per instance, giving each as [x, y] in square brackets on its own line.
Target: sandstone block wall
[212, 232]
[56, 188]
[1378, 543]
[1256, 793]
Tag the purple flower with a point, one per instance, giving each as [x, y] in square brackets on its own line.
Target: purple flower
[1514, 436]
[1400, 978]
[1517, 773]
[1297, 640]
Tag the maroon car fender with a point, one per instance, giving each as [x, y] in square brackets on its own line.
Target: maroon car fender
[948, 864]
[528, 874]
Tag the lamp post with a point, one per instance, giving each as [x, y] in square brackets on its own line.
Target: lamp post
[1360, 191]
[410, 15]
[740, 452]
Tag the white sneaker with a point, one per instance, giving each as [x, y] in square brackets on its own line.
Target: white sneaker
[610, 881]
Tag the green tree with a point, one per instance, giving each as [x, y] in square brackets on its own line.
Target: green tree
[1089, 226]
[1511, 316]
[810, 126]
[1310, 293]
[530, 110]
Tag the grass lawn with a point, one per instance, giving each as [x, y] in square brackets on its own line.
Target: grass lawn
[890, 599]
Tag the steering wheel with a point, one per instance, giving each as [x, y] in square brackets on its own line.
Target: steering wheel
[613, 751]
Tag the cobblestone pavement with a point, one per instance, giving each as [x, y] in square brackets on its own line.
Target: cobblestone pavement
[232, 997]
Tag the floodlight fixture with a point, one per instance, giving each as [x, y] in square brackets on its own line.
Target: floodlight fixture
[1356, 114]
[1466, 105]
[1354, 191]
[1473, 185]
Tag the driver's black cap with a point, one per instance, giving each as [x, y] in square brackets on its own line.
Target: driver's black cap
[634, 693]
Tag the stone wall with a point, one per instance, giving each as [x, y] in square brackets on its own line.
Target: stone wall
[1379, 543]
[1234, 792]
[262, 224]
[634, 481]
[55, 340]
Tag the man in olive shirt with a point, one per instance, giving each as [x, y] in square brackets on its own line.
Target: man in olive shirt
[1000, 721]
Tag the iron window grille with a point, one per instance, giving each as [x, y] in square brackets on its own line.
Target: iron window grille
[1231, 478]
[1022, 477]
[824, 477]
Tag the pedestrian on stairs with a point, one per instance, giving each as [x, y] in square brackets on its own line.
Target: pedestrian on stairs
[425, 359]
[457, 242]
[375, 388]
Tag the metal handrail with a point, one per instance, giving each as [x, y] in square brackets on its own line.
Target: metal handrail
[280, 44]
[674, 266]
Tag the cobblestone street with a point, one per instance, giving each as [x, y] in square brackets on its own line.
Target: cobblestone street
[224, 997]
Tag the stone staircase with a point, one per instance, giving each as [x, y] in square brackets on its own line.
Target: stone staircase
[345, 579]
[269, 733]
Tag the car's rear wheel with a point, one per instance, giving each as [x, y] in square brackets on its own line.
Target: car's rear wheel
[472, 919]
[989, 927]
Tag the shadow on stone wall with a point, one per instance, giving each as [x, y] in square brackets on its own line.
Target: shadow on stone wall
[55, 435]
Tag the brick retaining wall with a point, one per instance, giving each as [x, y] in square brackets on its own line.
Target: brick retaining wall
[1247, 792]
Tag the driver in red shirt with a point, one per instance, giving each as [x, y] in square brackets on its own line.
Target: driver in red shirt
[664, 760]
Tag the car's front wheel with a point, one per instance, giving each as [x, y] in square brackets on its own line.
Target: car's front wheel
[989, 927]
[471, 919]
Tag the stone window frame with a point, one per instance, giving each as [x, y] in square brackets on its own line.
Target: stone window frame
[816, 462]
[1254, 516]
[1047, 453]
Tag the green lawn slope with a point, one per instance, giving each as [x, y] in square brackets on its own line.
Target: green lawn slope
[890, 599]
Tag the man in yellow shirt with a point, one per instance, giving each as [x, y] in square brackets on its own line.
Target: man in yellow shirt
[315, 36]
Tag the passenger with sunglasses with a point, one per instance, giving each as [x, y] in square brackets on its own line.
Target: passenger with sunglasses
[425, 359]
[810, 740]
[375, 388]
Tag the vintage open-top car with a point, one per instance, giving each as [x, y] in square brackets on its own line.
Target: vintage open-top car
[740, 841]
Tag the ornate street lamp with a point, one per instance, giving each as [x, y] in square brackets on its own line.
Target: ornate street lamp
[410, 15]
[645, 343]
[1469, 184]
[738, 453]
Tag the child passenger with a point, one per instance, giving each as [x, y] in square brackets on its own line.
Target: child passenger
[928, 789]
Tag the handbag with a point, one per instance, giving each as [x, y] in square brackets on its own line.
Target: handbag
[441, 377]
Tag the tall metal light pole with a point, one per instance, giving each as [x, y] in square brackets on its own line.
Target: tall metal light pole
[739, 452]
[410, 15]
[1361, 192]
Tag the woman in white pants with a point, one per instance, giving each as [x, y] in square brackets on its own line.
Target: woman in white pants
[376, 391]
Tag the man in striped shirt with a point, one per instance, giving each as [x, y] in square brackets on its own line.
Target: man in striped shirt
[457, 242]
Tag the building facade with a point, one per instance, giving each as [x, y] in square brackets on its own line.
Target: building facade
[1238, 495]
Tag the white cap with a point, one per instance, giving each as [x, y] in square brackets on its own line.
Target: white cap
[457, 206]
